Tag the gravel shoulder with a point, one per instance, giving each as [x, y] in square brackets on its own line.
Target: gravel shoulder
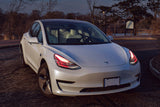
[18, 87]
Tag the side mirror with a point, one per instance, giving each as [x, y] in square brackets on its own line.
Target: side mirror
[110, 37]
[33, 40]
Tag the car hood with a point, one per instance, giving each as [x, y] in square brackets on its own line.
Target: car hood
[99, 55]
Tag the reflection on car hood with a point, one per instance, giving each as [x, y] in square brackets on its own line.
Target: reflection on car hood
[99, 55]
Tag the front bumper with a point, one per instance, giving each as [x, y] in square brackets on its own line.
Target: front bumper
[90, 81]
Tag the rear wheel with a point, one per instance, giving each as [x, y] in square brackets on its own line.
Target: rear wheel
[44, 80]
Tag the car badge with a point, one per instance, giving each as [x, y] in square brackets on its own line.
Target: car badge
[106, 62]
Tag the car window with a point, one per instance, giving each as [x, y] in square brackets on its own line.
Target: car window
[69, 33]
[40, 37]
[36, 32]
[32, 30]
[52, 35]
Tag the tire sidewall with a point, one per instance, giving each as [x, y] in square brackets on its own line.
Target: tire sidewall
[44, 65]
[22, 57]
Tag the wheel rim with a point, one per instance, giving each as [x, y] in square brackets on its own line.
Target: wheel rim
[44, 81]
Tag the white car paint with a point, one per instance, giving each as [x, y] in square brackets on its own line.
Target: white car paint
[97, 62]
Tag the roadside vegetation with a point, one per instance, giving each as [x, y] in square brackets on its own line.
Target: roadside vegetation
[111, 19]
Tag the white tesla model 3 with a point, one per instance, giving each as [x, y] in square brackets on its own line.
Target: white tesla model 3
[74, 58]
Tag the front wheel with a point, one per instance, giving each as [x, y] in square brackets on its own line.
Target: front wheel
[44, 80]
[22, 57]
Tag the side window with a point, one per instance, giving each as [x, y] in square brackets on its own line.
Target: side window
[36, 31]
[40, 37]
[32, 30]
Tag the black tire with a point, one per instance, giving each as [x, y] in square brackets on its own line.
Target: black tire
[22, 57]
[44, 81]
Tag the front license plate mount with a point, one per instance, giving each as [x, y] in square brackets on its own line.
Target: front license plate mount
[113, 81]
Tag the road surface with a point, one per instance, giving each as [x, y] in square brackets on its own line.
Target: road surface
[18, 84]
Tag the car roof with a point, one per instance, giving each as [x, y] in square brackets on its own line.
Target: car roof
[62, 20]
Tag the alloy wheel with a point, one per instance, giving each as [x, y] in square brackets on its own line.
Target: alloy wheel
[44, 81]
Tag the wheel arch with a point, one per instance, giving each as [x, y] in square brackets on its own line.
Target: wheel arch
[21, 48]
[43, 61]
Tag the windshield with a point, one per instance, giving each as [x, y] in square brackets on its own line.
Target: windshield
[72, 33]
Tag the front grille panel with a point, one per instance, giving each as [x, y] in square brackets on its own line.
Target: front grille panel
[99, 89]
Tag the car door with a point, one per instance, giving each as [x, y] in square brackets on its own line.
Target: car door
[27, 44]
[35, 49]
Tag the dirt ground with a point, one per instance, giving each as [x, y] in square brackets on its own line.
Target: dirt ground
[18, 87]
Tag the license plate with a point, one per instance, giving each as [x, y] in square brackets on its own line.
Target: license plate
[111, 81]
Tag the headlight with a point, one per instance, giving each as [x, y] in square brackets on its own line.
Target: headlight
[133, 59]
[64, 63]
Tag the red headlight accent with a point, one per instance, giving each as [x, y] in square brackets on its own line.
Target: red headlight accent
[133, 58]
[64, 63]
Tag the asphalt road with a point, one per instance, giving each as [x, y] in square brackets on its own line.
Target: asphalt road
[140, 45]
[18, 84]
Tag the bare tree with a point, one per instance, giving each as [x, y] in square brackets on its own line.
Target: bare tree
[91, 5]
[16, 5]
[42, 6]
[12, 15]
[46, 5]
[51, 5]
[154, 6]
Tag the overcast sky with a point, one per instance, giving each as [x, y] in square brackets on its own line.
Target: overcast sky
[67, 6]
